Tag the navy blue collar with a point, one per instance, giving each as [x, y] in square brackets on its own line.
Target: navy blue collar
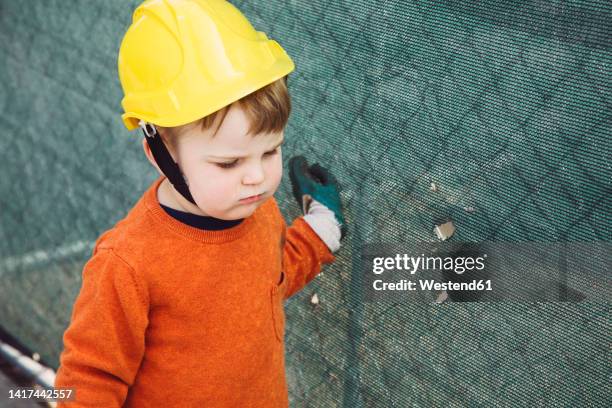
[201, 221]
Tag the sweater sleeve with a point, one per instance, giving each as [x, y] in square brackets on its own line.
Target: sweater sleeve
[303, 254]
[105, 341]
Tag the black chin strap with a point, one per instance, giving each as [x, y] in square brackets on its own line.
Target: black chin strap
[164, 161]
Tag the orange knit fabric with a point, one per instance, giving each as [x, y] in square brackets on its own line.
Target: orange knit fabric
[169, 315]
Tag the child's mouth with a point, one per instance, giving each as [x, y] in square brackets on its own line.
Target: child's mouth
[252, 199]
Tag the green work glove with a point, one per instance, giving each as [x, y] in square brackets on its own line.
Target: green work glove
[315, 182]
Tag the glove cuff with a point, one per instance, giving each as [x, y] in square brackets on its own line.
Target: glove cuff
[323, 222]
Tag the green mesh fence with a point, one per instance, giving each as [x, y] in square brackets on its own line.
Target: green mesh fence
[504, 106]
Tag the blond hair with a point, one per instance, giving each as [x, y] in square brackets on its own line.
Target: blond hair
[267, 110]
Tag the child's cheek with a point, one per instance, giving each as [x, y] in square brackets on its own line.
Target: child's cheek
[212, 184]
[222, 184]
[276, 173]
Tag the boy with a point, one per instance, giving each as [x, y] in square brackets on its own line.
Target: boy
[181, 302]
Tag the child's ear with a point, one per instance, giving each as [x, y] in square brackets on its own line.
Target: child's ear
[149, 155]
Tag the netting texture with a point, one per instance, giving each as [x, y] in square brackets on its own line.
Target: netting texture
[504, 106]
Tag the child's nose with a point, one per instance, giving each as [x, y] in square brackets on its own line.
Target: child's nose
[255, 174]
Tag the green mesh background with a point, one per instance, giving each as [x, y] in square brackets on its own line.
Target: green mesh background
[504, 105]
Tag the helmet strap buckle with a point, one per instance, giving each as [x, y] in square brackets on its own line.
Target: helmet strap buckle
[148, 129]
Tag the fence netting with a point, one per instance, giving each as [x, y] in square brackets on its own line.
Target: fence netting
[495, 115]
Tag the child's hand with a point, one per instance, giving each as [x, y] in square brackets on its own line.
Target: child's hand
[315, 182]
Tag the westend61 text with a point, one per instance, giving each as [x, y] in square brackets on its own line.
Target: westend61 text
[430, 284]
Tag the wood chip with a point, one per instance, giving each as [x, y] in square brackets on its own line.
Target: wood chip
[445, 231]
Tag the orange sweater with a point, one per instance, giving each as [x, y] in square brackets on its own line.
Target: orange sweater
[169, 315]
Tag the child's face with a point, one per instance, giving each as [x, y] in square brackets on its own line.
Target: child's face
[223, 170]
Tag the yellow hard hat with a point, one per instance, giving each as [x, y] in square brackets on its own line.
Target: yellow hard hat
[181, 60]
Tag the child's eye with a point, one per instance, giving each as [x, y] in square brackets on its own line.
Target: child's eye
[233, 164]
[227, 165]
[273, 152]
